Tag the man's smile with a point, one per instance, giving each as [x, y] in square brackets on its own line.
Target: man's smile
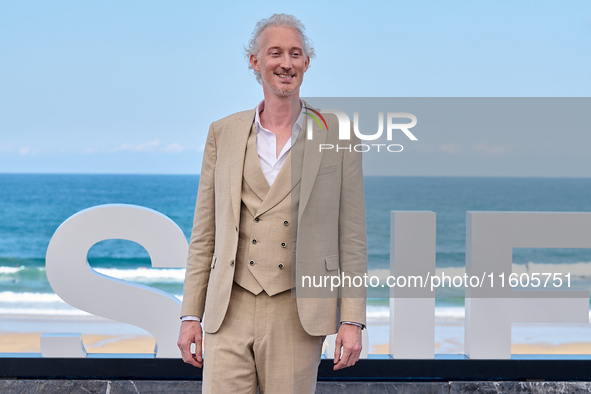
[286, 77]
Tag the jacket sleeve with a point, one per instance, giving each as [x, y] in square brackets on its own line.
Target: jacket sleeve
[352, 236]
[202, 243]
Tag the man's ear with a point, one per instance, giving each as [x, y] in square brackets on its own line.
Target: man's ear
[254, 62]
[307, 64]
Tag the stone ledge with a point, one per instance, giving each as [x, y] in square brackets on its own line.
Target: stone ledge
[520, 387]
[158, 386]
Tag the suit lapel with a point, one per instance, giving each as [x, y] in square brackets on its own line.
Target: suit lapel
[238, 149]
[296, 156]
[253, 174]
[311, 161]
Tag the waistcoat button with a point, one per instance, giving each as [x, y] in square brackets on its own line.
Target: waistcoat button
[231, 263]
[283, 244]
[251, 262]
[281, 266]
[254, 241]
[286, 223]
[256, 220]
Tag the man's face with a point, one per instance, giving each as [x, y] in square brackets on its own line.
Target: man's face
[281, 61]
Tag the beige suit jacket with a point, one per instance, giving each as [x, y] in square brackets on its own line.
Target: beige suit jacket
[328, 235]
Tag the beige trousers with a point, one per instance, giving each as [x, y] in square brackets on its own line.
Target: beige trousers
[261, 343]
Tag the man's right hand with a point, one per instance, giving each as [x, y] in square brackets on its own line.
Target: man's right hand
[191, 333]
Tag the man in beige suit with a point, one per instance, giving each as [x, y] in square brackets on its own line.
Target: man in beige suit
[271, 209]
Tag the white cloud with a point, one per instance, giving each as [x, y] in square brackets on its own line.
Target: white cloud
[143, 147]
[27, 150]
[422, 147]
[449, 148]
[176, 148]
[150, 146]
[492, 150]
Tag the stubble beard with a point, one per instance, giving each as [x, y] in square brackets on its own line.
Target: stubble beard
[281, 92]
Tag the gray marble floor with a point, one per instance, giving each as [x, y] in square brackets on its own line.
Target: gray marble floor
[147, 387]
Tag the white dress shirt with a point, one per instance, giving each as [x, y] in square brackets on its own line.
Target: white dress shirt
[267, 145]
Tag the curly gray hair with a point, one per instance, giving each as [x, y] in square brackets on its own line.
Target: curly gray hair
[276, 20]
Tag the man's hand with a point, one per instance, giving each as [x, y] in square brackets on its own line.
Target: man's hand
[349, 339]
[191, 333]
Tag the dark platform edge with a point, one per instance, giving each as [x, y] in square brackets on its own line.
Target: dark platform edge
[437, 370]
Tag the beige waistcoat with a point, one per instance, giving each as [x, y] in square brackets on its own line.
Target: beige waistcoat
[263, 259]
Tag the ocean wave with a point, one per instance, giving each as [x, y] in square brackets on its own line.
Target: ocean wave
[43, 312]
[13, 297]
[580, 269]
[9, 296]
[10, 270]
[441, 313]
[450, 313]
[28, 304]
[377, 312]
[140, 274]
[176, 275]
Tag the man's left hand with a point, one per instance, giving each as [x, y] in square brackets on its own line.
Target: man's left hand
[349, 339]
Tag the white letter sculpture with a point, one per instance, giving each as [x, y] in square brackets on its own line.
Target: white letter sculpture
[72, 278]
[490, 310]
[412, 308]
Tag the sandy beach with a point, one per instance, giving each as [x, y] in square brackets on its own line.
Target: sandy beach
[22, 334]
[29, 343]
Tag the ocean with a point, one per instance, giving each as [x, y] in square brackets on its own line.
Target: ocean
[33, 206]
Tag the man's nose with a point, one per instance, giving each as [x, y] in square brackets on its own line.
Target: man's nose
[286, 62]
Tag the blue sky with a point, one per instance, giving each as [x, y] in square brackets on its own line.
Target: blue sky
[131, 87]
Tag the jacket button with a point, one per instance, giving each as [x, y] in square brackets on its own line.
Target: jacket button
[281, 266]
[256, 219]
[236, 228]
[286, 223]
[254, 241]
[251, 262]
[283, 244]
[231, 263]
